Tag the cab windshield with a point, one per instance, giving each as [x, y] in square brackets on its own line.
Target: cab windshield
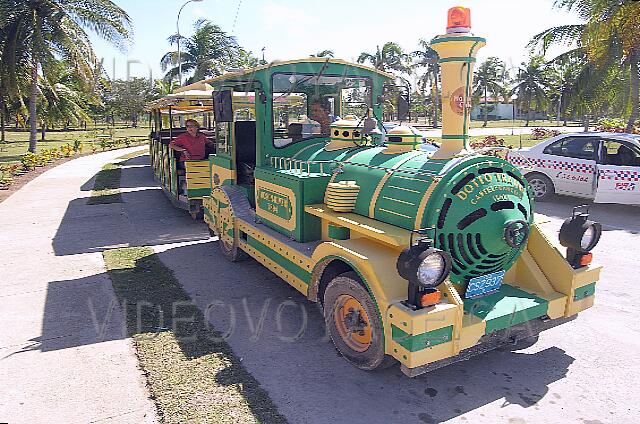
[305, 105]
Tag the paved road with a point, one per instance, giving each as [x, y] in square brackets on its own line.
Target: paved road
[582, 372]
[63, 355]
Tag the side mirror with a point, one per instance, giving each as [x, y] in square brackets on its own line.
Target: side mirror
[403, 107]
[223, 106]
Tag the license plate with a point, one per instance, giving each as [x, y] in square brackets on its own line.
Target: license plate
[484, 284]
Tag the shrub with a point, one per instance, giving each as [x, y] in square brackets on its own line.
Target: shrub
[77, 146]
[489, 141]
[6, 176]
[29, 161]
[614, 125]
[66, 150]
[538, 133]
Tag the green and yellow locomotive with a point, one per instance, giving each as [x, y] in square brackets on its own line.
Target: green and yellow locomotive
[419, 257]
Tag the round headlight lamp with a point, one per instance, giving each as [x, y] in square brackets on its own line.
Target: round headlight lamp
[580, 234]
[425, 267]
[434, 267]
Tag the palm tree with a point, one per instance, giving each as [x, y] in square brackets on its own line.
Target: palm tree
[65, 97]
[390, 58]
[531, 83]
[50, 29]
[206, 53]
[488, 79]
[609, 39]
[324, 53]
[428, 58]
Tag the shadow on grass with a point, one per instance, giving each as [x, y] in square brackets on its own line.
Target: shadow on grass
[106, 186]
[191, 370]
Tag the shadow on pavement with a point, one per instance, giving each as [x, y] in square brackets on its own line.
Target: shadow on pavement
[281, 338]
[278, 335]
[611, 216]
[146, 218]
[77, 313]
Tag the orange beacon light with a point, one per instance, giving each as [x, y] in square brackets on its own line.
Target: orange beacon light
[458, 20]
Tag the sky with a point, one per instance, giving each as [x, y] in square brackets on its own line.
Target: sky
[288, 29]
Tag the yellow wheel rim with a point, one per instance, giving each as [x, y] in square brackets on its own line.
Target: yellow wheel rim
[352, 322]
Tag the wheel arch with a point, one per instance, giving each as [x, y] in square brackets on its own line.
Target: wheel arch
[536, 172]
[326, 270]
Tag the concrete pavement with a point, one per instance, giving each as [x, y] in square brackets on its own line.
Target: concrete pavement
[64, 355]
[577, 373]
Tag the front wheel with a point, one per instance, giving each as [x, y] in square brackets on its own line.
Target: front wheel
[354, 324]
[541, 186]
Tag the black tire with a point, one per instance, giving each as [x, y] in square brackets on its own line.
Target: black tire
[232, 253]
[372, 356]
[541, 186]
[197, 215]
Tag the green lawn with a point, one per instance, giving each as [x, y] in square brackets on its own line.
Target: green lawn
[514, 140]
[191, 371]
[520, 123]
[505, 123]
[17, 142]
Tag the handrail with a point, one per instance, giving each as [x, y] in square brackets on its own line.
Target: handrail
[304, 166]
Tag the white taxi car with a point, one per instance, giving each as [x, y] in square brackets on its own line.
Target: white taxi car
[604, 167]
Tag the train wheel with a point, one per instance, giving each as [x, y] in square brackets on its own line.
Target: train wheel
[541, 186]
[354, 323]
[224, 227]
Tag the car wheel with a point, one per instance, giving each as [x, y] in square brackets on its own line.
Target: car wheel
[541, 186]
[354, 324]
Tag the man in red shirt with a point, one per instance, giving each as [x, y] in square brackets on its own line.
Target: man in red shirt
[190, 144]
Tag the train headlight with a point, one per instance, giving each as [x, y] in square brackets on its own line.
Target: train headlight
[433, 268]
[579, 235]
[424, 267]
[590, 237]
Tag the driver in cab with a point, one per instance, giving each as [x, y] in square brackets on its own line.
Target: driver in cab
[190, 144]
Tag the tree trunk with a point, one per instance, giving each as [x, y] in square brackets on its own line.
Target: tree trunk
[2, 135]
[585, 122]
[43, 131]
[485, 106]
[634, 90]
[436, 99]
[33, 118]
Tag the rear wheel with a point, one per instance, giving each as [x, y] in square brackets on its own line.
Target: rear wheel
[224, 227]
[541, 186]
[354, 324]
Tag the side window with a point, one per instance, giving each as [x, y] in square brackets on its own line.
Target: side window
[222, 137]
[574, 147]
[620, 154]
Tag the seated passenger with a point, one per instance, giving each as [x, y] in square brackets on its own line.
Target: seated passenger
[191, 144]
